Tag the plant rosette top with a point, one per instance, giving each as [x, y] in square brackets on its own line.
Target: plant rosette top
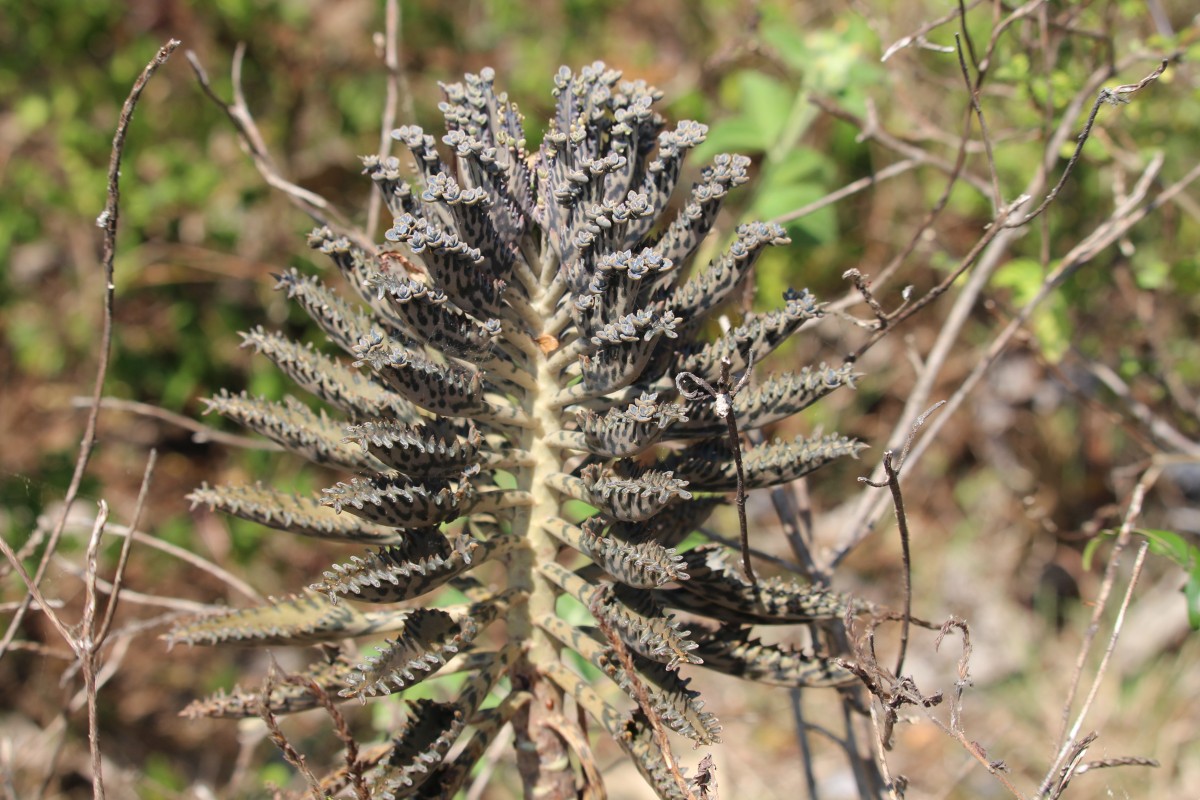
[506, 382]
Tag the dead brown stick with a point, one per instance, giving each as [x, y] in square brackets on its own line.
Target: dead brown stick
[1117, 96]
[85, 646]
[311, 203]
[639, 692]
[279, 738]
[1121, 220]
[988, 261]
[107, 221]
[201, 433]
[1068, 737]
[123, 561]
[395, 84]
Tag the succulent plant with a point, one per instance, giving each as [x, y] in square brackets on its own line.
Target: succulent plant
[509, 412]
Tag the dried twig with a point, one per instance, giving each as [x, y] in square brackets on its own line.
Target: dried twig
[201, 434]
[107, 221]
[1108, 232]
[488, 763]
[988, 260]
[806, 753]
[723, 395]
[279, 738]
[354, 765]
[123, 561]
[892, 470]
[221, 574]
[852, 188]
[396, 84]
[1118, 96]
[917, 37]
[639, 691]
[313, 204]
[1067, 738]
[973, 91]
[85, 647]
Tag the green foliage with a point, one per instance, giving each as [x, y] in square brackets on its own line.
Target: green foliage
[1050, 321]
[1174, 547]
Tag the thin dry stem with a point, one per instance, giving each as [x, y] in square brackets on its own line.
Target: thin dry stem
[311, 203]
[86, 645]
[123, 561]
[201, 434]
[1108, 232]
[279, 738]
[107, 221]
[640, 693]
[973, 91]
[850, 189]
[395, 84]
[491, 758]
[1117, 96]
[1067, 737]
[988, 261]
[226, 577]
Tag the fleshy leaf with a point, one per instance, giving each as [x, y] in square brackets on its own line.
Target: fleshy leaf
[330, 380]
[285, 698]
[776, 398]
[718, 588]
[425, 561]
[300, 619]
[731, 650]
[430, 448]
[627, 432]
[396, 503]
[295, 513]
[294, 426]
[630, 494]
[708, 465]
[644, 565]
[429, 638]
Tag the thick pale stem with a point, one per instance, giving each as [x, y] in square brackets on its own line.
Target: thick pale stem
[543, 759]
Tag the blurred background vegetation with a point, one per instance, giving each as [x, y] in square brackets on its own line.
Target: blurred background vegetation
[1002, 507]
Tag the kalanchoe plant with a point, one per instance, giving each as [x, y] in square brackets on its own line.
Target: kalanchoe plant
[505, 388]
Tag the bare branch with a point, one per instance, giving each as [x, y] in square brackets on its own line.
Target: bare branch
[639, 690]
[723, 395]
[892, 470]
[122, 562]
[1118, 96]
[107, 221]
[973, 91]
[311, 203]
[396, 85]
[201, 434]
[1067, 738]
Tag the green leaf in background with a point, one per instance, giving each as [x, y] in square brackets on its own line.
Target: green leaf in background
[842, 60]
[734, 135]
[1187, 555]
[820, 227]
[764, 104]
[794, 181]
[1191, 593]
[1173, 546]
[1150, 271]
[1050, 321]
